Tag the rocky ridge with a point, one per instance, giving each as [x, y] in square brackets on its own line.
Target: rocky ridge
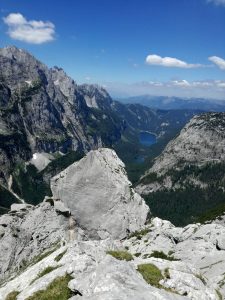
[189, 261]
[194, 270]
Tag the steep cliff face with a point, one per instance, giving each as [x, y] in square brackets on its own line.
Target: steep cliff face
[44, 110]
[190, 170]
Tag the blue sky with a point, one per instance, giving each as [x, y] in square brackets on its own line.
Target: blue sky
[158, 47]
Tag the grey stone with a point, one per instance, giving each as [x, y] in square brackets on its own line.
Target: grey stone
[18, 207]
[99, 195]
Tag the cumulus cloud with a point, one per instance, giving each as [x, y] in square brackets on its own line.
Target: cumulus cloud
[33, 32]
[220, 62]
[218, 2]
[169, 62]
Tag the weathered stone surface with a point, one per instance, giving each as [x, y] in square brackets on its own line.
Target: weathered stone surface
[100, 196]
[61, 208]
[25, 236]
[117, 280]
[18, 207]
[99, 276]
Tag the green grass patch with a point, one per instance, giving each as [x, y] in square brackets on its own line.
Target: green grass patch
[121, 255]
[199, 276]
[45, 254]
[220, 297]
[138, 254]
[12, 295]
[60, 256]
[151, 274]
[56, 290]
[162, 255]
[44, 272]
[139, 234]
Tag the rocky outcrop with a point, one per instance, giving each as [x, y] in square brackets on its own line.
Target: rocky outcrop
[99, 195]
[191, 265]
[26, 232]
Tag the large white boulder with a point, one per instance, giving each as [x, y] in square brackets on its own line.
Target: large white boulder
[99, 195]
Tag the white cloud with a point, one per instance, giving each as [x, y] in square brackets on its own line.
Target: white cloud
[33, 32]
[218, 2]
[220, 62]
[182, 83]
[169, 62]
[220, 84]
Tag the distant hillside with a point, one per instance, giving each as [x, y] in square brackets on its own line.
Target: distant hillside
[163, 102]
[187, 181]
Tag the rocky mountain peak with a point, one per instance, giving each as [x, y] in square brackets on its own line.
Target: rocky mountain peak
[66, 84]
[96, 96]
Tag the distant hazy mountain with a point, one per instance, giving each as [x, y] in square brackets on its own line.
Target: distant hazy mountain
[163, 102]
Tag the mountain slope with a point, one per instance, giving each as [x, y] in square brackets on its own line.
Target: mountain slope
[187, 180]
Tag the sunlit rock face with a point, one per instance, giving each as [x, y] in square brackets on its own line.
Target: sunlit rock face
[99, 195]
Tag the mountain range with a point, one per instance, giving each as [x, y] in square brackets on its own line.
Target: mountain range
[164, 102]
[43, 110]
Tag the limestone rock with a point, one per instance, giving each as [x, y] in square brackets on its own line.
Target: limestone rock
[18, 207]
[99, 195]
[25, 235]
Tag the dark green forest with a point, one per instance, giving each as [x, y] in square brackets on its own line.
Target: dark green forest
[190, 202]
